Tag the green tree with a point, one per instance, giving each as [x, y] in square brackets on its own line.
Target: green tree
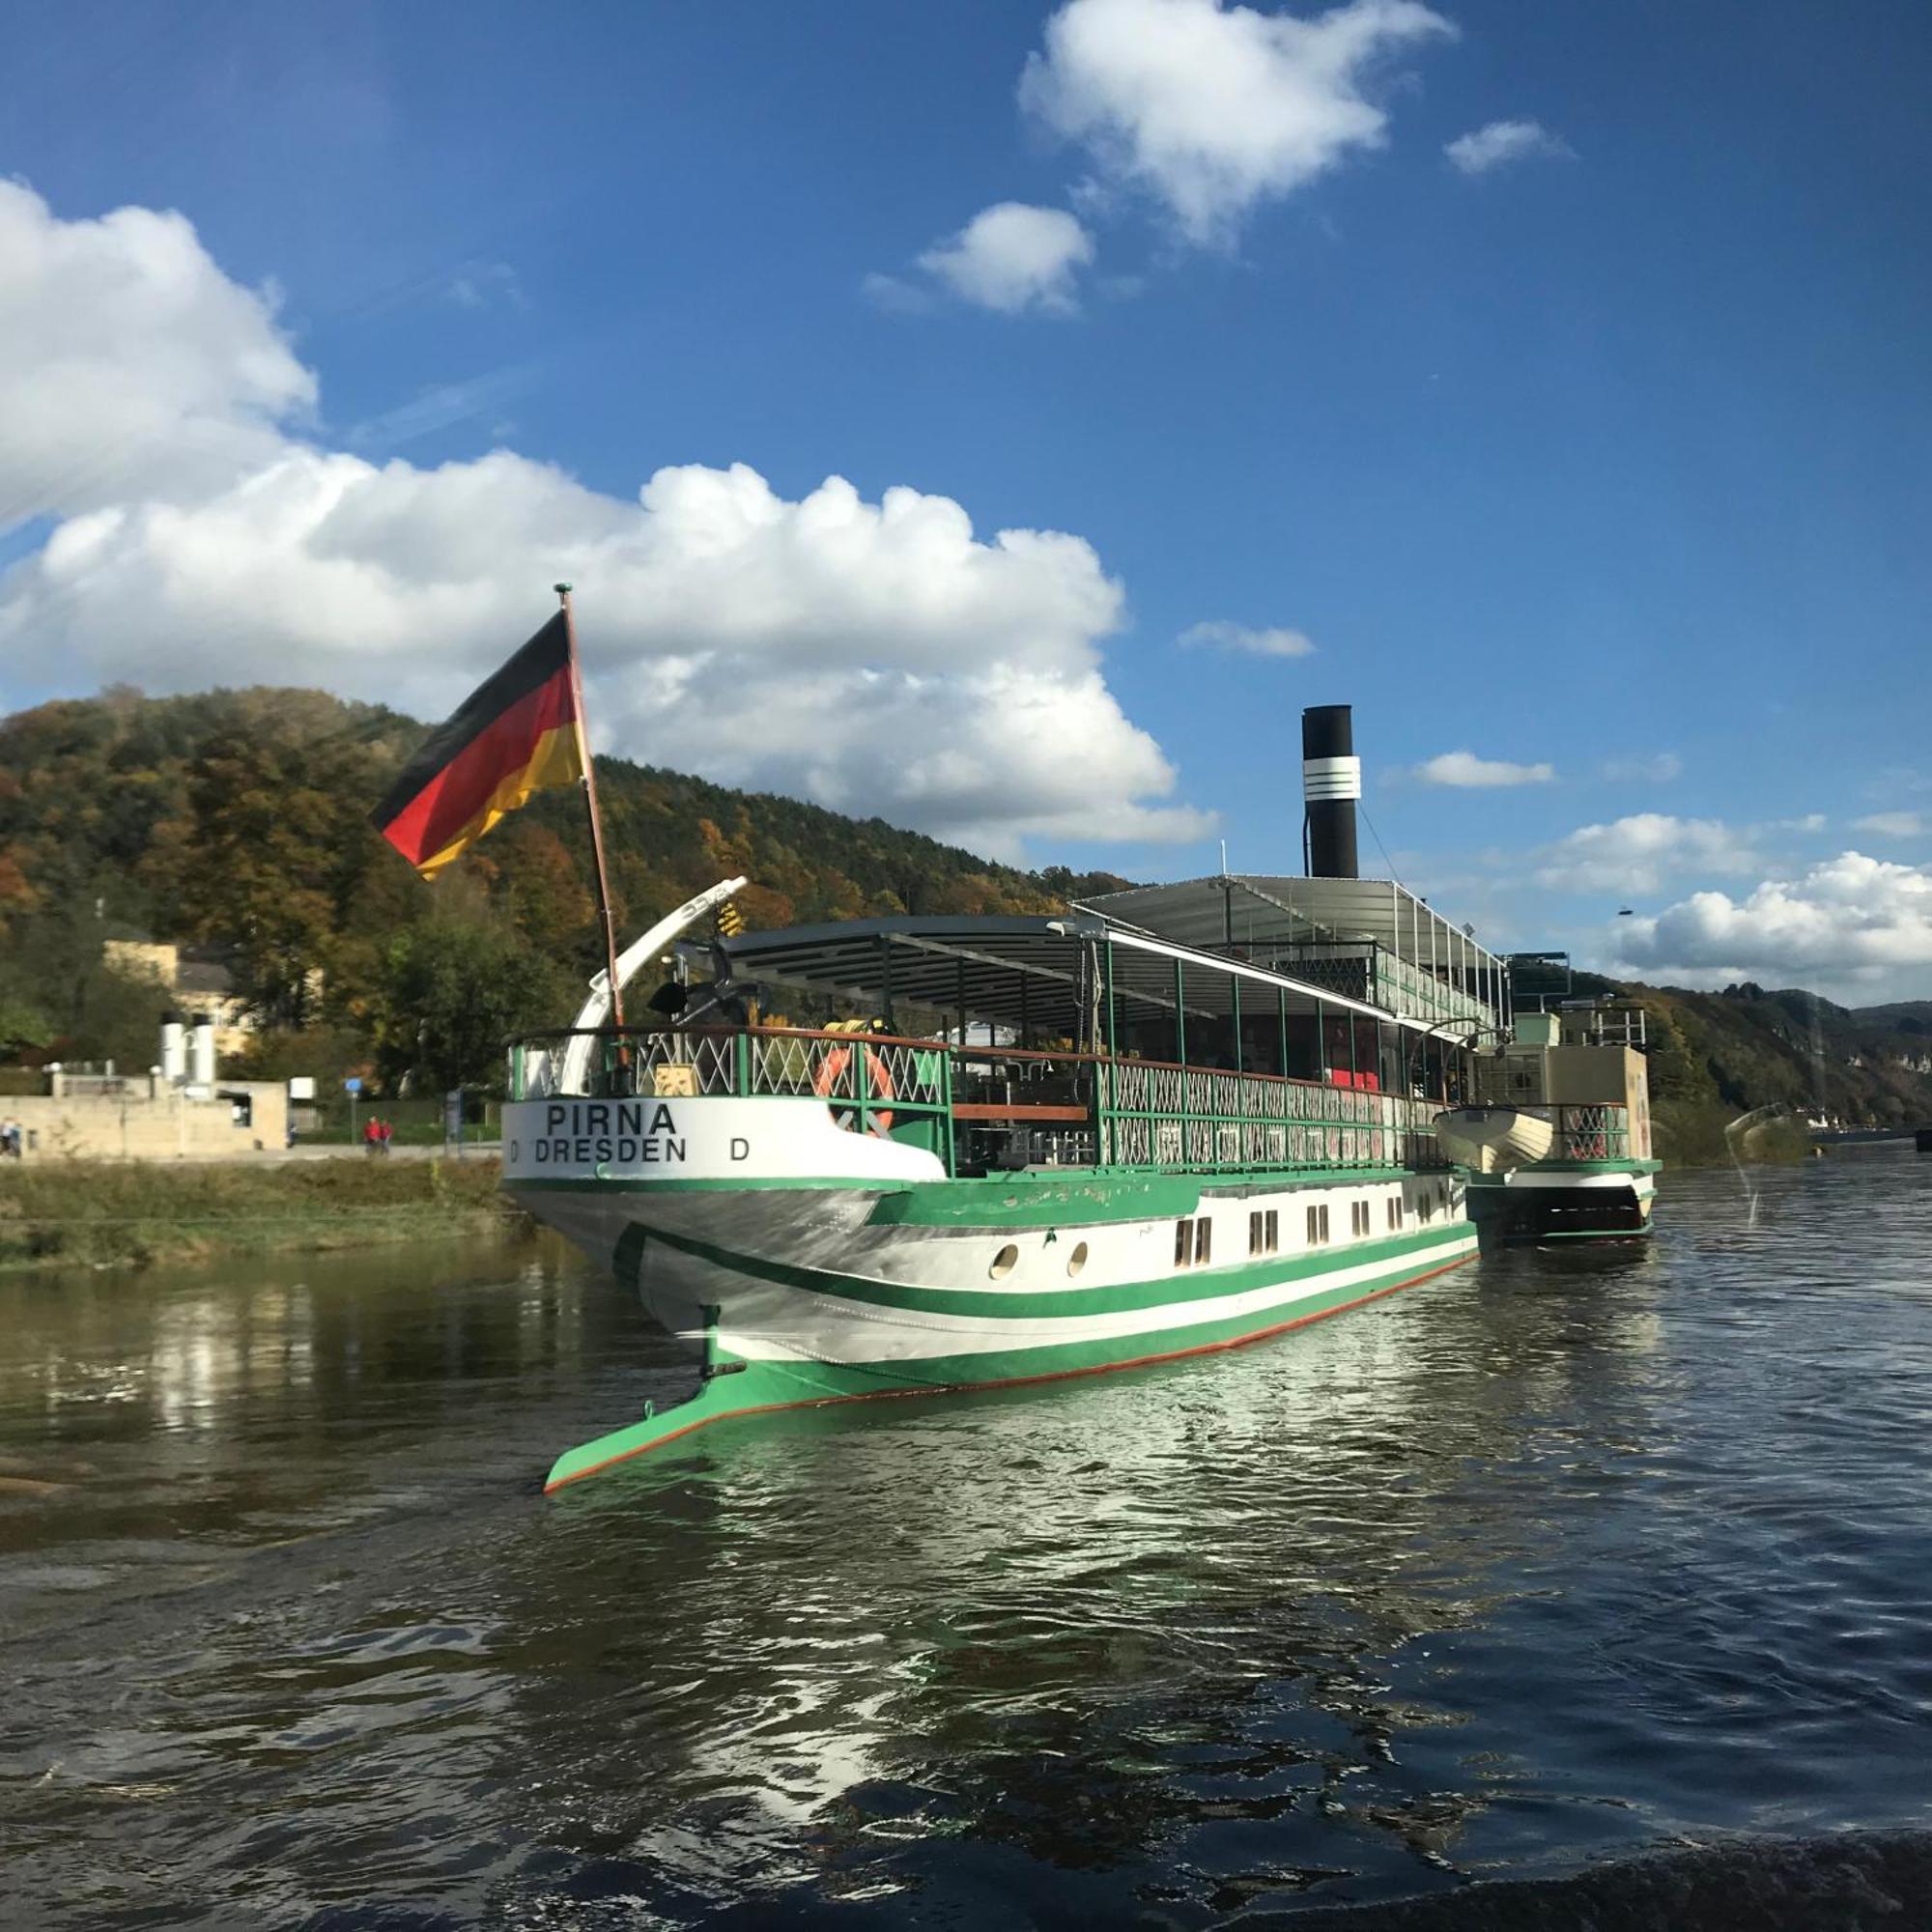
[452, 993]
[23, 1024]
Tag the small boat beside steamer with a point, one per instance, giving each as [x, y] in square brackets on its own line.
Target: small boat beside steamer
[1560, 1147]
[1178, 1119]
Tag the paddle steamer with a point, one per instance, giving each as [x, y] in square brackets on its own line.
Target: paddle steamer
[1179, 1118]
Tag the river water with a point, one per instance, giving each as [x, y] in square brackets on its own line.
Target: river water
[1570, 1588]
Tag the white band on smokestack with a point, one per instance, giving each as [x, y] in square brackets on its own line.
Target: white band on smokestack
[1330, 777]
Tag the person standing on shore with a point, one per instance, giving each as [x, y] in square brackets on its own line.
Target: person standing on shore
[9, 1139]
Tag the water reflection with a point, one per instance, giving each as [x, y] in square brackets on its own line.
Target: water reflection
[1549, 1558]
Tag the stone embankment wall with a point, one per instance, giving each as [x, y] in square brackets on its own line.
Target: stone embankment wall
[243, 1118]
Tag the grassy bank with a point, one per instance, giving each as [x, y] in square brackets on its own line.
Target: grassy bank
[133, 1214]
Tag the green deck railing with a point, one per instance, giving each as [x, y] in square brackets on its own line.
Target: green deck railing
[976, 1106]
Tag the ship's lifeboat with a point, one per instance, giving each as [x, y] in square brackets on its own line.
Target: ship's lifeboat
[1489, 1139]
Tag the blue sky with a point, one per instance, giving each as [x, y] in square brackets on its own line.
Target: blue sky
[1609, 457]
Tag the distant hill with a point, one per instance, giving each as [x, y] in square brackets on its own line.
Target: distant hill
[1714, 1056]
[1901, 1016]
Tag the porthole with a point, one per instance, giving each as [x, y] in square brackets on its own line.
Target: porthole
[1078, 1260]
[1004, 1261]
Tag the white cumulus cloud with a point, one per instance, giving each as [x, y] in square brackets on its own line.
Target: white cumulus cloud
[129, 362]
[1271, 641]
[1212, 108]
[1464, 769]
[1012, 257]
[1503, 142]
[1849, 916]
[1639, 853]
[876, 656]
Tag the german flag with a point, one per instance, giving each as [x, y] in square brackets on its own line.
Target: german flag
[515, 735]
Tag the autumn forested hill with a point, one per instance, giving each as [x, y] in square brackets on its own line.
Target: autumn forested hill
[239, 820]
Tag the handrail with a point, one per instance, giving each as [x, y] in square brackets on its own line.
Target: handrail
[980, 1051]
[1147, 1115]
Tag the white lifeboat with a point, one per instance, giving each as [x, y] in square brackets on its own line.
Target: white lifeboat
[1489, 1139]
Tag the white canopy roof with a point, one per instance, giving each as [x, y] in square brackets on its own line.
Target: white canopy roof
[1013, 970]
[1258, 913]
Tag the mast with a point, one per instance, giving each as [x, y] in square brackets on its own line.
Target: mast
[606, 917]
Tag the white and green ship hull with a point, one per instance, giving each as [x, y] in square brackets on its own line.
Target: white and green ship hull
[802, 1264]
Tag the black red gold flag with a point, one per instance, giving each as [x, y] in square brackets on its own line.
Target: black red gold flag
[512, 736]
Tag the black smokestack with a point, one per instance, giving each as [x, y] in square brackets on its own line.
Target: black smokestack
[1331, 782]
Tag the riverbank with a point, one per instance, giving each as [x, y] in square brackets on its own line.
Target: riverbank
[133, 1214]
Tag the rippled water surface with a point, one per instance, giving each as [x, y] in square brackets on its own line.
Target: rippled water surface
[1549, 1563]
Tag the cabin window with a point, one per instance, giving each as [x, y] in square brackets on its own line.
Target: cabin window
[1264, 1232]
[1004, 1261]
[1358, 1218]
[1394, 1212]
[1183, 1243]
[1203, 1241]
[1078, 1260]
[1318, 1225]
[1273, 1232]
[1425, 1206]
[1256, 1234]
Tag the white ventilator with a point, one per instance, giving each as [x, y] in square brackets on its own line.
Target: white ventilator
[596, 1010]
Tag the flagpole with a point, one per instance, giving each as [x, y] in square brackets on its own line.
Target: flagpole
[605, 914]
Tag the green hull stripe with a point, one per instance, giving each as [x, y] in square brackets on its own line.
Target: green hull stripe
[1029, 1202]
[845, 1183]
[1070, 1197]
[1091, 1196]
[771, 1385]
[1188, 1285]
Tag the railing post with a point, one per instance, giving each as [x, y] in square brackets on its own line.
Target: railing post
[1180, 1057]
[945, 1098]
[1108, 1108]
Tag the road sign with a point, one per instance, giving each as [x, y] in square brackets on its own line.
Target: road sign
[352, 1086]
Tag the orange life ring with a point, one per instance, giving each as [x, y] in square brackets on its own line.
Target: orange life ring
[827, 1082]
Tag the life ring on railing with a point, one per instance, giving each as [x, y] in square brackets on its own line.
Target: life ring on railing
[827, 1082]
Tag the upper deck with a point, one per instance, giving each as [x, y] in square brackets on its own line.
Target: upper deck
[1003, 1042]
[1370, 939]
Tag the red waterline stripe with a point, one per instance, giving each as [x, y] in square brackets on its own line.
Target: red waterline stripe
[1011, 1381]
